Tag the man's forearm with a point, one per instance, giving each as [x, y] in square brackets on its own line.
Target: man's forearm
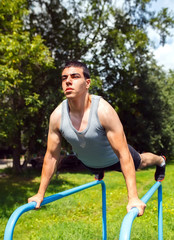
[128, 171]
[48, 170]
[131, 186]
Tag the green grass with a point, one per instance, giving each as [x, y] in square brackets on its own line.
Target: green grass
[79, 216]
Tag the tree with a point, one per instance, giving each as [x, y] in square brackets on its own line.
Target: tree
[24, 63]
[168, 124]
[115, 44]
[130, 76]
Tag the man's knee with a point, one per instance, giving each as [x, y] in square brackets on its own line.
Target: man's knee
[143, 162]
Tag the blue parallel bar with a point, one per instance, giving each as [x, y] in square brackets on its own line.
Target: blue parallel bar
[125, 231]
[29, 206]
[160, 214]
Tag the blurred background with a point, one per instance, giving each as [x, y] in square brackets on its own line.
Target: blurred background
[124, 43]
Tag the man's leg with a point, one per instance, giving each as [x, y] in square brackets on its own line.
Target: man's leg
[149, 159]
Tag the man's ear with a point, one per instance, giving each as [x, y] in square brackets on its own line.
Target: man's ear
[88, 83]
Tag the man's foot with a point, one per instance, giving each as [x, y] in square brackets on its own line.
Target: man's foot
[160, 171]
[99, 176]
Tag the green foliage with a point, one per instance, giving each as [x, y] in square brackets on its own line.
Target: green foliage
[24, 61]
[163, 22]
[131, 80]
[115, 45]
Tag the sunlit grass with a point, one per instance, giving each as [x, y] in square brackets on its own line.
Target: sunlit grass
[79, 216]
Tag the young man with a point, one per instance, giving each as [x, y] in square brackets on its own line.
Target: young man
[94, 130]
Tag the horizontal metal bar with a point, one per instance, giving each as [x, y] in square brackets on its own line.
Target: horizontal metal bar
[30, 206]
[150, 193]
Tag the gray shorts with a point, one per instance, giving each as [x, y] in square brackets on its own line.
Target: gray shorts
[117, 167]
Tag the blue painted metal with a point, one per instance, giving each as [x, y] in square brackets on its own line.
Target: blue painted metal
[160, 214]
[104, 225]
[125, 231]
[29, 206]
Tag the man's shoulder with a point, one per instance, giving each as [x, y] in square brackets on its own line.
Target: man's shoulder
[106, 113]
[56, 115]
[104, 105]
[57, 110]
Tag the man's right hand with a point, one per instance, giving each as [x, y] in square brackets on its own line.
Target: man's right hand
[38, 198]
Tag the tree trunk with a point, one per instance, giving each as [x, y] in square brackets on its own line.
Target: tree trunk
[28, 152]
[17, 153]
[27, 158]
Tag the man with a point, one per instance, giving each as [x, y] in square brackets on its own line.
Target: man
[94, 130]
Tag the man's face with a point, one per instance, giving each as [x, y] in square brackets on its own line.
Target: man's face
[73, 82]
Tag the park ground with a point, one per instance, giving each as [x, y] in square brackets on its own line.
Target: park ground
[79, 216]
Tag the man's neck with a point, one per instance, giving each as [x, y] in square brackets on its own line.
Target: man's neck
[79, 105]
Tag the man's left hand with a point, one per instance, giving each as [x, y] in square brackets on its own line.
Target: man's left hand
[136, 202]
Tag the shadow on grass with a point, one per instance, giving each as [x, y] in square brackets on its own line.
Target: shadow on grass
[16, 189]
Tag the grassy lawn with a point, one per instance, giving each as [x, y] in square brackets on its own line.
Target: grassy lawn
[79, 216]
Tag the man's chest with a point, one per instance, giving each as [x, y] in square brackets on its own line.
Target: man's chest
[80, 122]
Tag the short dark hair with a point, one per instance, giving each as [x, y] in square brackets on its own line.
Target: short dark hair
[75, 63]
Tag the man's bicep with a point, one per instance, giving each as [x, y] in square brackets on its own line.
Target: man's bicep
[115, 132]
[117, 139]
[54, 143]
[54, 135]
